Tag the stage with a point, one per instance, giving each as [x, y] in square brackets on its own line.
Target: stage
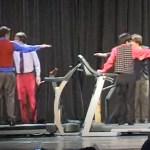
[127, 142]
[75, 134]
[46, 136]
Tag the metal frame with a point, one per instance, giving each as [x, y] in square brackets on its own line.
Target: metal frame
[95, 98]
[101, 78]
[91, 111]
[58, 90]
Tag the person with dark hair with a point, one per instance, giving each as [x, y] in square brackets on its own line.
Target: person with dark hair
[141, 72]
[7, 75]
[122, 58]
[25, 77]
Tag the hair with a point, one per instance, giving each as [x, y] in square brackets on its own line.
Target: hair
[22, 36]
[4, 30]
[137, 38]
[124, 37]
[146, 144]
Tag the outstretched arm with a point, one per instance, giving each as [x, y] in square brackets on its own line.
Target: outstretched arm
[102, 54]
[110, 61]
[28, 48]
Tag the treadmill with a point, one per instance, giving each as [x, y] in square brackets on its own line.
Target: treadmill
[91, 128]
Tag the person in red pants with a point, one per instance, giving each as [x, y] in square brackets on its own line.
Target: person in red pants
[28, 75]
[7, 71]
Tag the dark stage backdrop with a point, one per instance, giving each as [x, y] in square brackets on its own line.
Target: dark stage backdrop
[73, 27]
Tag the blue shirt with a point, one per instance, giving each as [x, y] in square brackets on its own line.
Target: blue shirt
[24, 47]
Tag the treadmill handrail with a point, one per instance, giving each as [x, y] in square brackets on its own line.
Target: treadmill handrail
[91, 70]
[65, 78]
[54, 79]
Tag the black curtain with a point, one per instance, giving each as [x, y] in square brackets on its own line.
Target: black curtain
[73, 27]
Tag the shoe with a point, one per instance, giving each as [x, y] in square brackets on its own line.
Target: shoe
[121, 123]
[130, 123]
[11, 122]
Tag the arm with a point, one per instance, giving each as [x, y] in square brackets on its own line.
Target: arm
[102, 54]
[141, 53]
[110, 61]
[37, 67]
[28, 48]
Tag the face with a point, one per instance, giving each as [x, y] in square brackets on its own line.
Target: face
[8, 36]
[16, 38]
[132, 42]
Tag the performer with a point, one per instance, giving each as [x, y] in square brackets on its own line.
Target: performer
[7, 75]
[122, 56]
[141, 71]
[26, 79]
[142, 84]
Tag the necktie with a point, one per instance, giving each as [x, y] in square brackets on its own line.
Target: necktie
[21, 63]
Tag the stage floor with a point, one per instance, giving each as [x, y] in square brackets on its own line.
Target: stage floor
[37, 137]
[127, 142]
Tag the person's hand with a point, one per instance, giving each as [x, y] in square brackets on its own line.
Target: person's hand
[99, 71]
[45, 46]
[38, 80]
[101, 54]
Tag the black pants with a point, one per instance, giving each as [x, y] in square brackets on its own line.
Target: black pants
[124, 108]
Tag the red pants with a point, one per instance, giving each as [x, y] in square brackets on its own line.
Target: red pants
[26, 91]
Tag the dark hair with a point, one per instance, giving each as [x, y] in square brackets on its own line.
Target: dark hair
[22, 36]
[124, 37]
[4, 30]
[146, 144]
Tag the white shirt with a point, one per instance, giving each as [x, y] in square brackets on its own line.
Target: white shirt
[31, 62]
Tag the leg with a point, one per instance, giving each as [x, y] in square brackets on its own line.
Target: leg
[22, 97]
[144, 99]
[9, 92]
[137, 101]
[130, 99]
[31, 95]
[120, 108]
[2, 99]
